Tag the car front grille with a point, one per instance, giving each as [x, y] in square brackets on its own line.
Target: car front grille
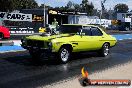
[35, 43]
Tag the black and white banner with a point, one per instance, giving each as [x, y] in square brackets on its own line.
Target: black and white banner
[15, 16]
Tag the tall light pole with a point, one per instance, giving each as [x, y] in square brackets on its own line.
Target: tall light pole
[44, 13]
[102, 7]
[101, 12]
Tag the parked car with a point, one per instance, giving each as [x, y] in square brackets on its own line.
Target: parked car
[69, 38]
[4, 32]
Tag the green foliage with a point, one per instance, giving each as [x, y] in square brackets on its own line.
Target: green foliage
[6, 5]
[86, 7]
[10, 5]
[46, 6]
[70, 5]
[121, 8]
[77, 7]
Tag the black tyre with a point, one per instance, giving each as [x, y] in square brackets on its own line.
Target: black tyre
[1, 35]
[35, 55]
[105, 50]
[64, 54]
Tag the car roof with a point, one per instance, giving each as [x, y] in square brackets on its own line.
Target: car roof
[81, 25]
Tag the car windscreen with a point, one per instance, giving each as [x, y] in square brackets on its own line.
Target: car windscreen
[69, 29]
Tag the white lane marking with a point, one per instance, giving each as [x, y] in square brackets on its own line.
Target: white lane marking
[120, 39]
[12, 51]
[17, 42]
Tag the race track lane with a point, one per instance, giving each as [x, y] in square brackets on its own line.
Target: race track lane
[17, 71]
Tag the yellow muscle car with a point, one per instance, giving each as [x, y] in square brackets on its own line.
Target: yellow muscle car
[69, 38]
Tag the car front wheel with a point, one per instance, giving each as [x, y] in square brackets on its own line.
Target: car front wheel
[64, 54]
[105, 50]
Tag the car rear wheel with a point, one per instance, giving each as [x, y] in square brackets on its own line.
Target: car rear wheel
[1, 35]
[64, 54]
[105, 50]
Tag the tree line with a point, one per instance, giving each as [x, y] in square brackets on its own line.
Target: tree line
[85, 6]
[10, 5]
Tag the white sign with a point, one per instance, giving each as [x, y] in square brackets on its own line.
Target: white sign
[27, 30]
[94, 21]
[15, 16]
[127, 19]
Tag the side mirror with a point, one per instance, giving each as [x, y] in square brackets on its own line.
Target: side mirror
[82, 34]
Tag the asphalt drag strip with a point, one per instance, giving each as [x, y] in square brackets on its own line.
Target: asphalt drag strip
[17, 71]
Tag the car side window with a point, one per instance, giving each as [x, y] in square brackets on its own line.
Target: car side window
[69, 29]
[96, 31]
[87, 31]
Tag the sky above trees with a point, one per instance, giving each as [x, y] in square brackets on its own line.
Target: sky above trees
[109, 3]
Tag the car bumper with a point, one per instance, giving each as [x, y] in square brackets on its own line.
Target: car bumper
[48, 54]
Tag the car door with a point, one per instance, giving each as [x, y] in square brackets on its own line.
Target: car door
[86, 39]
[97, 37]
